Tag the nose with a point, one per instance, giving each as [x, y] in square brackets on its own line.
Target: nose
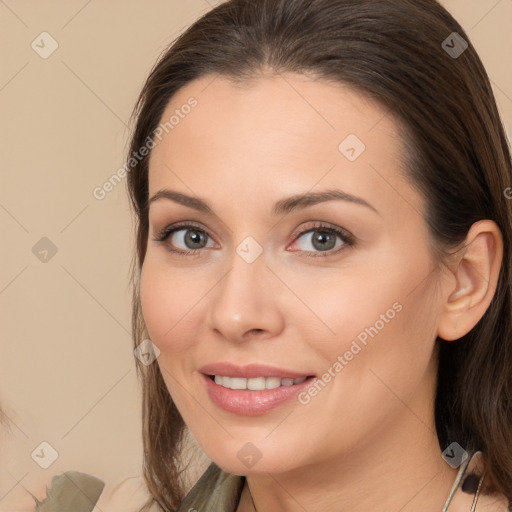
[245, 303]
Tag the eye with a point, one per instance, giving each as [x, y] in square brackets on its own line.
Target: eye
[190, 236]
[323, 239]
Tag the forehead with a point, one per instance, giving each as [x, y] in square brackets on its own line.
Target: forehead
[281, 131]
[296, 108]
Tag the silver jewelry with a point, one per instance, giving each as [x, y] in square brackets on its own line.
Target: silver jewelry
[250, 494]
[473, 506]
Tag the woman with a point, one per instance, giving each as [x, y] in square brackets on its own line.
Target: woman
[322, 276]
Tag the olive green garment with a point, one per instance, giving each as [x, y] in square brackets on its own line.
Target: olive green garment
[218, 491]
[72, 491]
[215, 490]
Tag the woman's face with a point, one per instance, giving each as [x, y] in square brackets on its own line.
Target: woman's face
[268, 280]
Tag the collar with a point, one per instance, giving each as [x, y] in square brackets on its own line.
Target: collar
[215, 490]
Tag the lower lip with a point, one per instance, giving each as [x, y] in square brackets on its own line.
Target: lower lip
[251, 403]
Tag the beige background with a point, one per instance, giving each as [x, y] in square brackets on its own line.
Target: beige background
[67, 375]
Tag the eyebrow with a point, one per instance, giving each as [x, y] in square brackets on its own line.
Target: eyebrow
[282, 207]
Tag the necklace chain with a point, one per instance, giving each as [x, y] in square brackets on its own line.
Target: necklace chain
[472, 507]
[252, 500]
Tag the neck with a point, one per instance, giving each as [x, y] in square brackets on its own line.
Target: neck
[400, 469]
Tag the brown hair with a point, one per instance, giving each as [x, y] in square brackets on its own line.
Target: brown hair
[458, 157]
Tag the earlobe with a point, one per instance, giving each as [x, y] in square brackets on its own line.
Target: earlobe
[476, 272]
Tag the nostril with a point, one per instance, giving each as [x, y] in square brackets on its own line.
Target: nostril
[256, 330]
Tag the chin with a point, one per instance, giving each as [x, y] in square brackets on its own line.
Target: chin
[247, 461]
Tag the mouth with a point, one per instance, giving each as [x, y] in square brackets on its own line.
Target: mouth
[253, 396]
[254, 388]
[256, 383]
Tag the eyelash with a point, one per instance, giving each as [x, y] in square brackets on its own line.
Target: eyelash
[347, 238]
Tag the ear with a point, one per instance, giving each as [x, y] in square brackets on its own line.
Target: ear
[476, 270]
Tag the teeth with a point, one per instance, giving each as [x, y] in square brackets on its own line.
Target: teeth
[256, 383]
[236, 383]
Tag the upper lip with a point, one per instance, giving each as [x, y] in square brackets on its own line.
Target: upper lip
[250, 371]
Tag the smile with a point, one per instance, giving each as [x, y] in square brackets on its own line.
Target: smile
[252, 396]
[255, 383]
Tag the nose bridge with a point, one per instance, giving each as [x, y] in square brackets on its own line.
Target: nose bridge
[247, 261]
[243, 285]
[243, 300]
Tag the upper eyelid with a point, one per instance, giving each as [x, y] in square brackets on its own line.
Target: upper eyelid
[176, 226]
[179, 226]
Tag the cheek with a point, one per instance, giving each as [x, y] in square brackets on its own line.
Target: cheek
[389, 354]
[155, 304]
[167, 303]
[168, 315]
[374, 367]
[384, 321]
[342, 305]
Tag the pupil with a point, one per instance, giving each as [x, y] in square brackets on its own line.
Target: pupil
[194, 237]
[322, 239]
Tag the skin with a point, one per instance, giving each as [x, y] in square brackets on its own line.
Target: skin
[367, 441]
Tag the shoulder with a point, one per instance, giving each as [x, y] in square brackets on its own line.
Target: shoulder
[77, 491]
[214, 490]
